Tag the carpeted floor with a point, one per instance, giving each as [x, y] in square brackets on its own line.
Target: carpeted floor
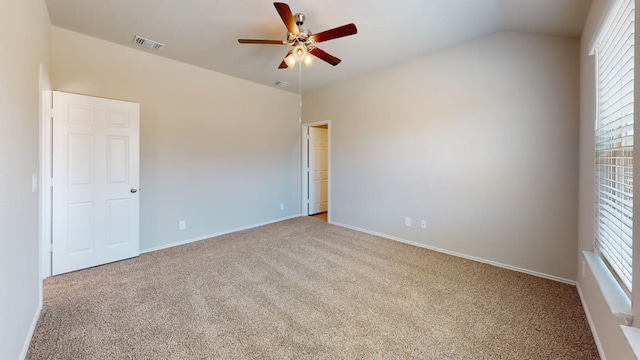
[305, 289]
[322, 216]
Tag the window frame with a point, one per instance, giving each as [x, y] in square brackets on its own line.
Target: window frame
[621, 38]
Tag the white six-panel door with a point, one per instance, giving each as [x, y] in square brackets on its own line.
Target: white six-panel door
[318, 170]
[95, 181]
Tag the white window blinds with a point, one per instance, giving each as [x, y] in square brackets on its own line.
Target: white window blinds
[614, 49]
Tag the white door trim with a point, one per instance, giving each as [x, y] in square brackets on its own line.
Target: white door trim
[45, 205]
[305, 166]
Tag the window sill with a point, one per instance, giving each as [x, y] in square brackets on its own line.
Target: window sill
[633, 337]
[618, 301]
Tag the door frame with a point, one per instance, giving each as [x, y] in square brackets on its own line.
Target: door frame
[304, 207]
[46, 166]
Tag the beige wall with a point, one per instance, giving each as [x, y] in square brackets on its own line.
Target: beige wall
[607, 328]
[24, 42]
[219, 152]
[479, 140]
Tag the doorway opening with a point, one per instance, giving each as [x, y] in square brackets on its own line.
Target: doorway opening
[316, 173]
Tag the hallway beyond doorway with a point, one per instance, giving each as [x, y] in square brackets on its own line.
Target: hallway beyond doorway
[321, 216]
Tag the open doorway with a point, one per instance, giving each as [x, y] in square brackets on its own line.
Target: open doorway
[316, 170]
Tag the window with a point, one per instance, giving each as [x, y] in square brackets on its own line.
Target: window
[614, 50]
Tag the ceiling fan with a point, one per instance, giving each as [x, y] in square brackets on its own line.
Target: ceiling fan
[302, 40]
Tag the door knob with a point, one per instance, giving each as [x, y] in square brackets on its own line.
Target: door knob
[133, 191]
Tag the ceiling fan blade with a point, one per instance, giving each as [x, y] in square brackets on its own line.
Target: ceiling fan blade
[344, 30]
[283, 64]
[256, 41]
[287, 17]
[322, 55]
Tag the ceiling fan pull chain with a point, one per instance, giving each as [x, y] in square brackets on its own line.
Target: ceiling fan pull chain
[300, 91]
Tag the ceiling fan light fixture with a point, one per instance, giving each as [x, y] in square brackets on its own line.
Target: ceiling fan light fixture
[290, 61]
[308, 60]
[299, 52]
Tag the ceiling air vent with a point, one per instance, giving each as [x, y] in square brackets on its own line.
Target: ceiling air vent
[280, 83]
[146, 43]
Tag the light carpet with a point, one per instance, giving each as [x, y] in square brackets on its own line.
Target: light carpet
[305, 289]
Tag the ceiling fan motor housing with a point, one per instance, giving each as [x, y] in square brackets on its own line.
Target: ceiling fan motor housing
[303, 32]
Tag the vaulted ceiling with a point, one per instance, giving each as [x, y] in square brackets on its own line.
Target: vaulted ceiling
[205, 32]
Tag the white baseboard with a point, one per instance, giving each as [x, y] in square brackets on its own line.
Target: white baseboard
[32, 329]
[183, 242]
[453, 253]
[592, 325]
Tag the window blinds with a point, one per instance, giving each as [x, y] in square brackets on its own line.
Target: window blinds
[614, 50]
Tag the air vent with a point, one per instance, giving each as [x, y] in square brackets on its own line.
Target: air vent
[280, 83]
[146, 43]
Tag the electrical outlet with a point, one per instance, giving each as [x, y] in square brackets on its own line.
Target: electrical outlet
[423, 224]
[182, 224]
[584, 269]
[407, 221]
[281, 206]
[34, 183]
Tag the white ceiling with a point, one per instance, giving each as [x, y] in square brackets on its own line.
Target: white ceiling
[205, 32]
